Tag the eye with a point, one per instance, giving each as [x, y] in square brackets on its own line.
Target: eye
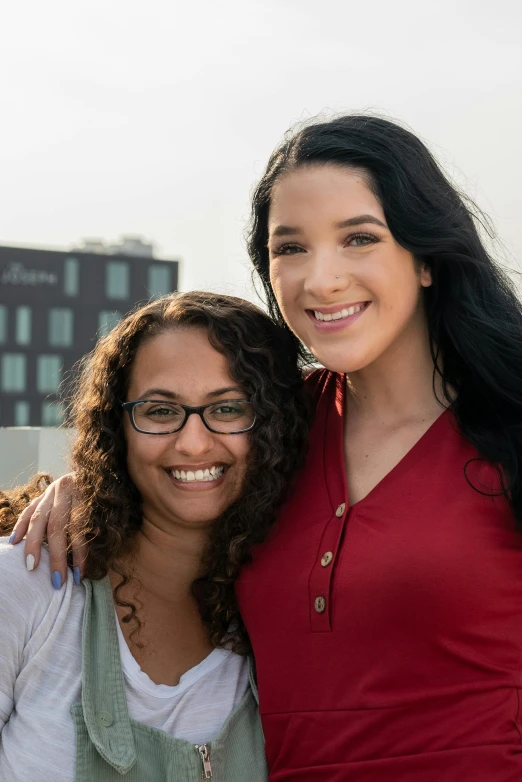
[161, 411]
[286, 249]
[361, 240]
[232, 411]
[158, 411]
[227, 410]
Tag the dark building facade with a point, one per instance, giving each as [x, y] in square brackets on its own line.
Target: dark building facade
[53, 308]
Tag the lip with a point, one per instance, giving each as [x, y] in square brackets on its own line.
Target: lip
[333, 326]
[197, 486]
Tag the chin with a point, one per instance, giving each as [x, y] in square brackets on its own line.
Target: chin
[206, 518]
[339, 362]
[199, 521]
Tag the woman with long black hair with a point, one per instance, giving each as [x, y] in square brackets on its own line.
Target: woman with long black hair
[394, 582]
[385, 610]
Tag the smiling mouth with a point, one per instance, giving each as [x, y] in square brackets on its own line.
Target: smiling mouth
[208, 475]
[340, 314]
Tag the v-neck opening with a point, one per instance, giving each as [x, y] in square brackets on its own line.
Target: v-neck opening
[397, 468]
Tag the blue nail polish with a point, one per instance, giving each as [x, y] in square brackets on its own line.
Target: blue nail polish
[12, 537]
[77, 576]
[57, 580]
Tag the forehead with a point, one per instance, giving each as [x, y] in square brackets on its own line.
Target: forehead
[180, 360]
[321, 191]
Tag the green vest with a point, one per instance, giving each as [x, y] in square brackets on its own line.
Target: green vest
[111, 747]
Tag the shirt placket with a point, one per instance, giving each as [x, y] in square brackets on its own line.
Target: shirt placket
[320, 583]
[321, 575]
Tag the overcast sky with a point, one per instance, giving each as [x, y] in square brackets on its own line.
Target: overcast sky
[157, 117]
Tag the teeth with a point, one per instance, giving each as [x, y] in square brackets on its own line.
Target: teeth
[345, 313]
[211, 474]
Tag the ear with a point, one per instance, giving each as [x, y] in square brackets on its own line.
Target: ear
[425, 278]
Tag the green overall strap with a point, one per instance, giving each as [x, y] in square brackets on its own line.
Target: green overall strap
[103, 692]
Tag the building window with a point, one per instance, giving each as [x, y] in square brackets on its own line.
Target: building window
[71, 278]
[13, 372]
[48, 373]
[160, 279]
[117, 280]
[22, 411]
[3, 323]
[52, 413]
[23, 325]
[60, 327]
[106, 321]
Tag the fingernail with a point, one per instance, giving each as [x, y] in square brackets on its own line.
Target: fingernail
[12, 537]
[57, 580]
[29, 562]
[77, 576]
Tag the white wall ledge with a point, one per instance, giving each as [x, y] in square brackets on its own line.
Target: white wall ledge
[26, 450]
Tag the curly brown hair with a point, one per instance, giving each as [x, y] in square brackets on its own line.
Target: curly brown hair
[13, 501]
[263, 360]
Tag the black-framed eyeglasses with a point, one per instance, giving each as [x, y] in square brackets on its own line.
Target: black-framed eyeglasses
[155, 416]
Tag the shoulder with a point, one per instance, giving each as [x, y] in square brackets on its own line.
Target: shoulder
[13, 572]
[39, 634]
[36, 601]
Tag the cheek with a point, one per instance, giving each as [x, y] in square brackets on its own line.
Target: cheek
[240, 451]
[275, 279]
[142, 452]
[285, 285]
[397, 290]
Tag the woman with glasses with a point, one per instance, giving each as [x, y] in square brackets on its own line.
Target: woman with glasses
[191, 419]
[385, 610]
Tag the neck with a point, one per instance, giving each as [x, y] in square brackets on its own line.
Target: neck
[399, 384]
[165, 563]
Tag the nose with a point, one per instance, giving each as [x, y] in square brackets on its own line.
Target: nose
[194, 439]
[325, 275]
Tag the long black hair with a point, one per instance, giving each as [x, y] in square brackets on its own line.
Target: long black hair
[474, 315]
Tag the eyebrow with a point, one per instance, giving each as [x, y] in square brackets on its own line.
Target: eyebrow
[150, 393]
[288, 230]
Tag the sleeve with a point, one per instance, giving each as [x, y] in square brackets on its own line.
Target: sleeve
[23, 603]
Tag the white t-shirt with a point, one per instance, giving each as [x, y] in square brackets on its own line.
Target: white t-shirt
[41, 669]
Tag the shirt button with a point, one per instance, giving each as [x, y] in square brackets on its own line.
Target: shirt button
[320, 604]
[105, 719]
[327, 558]
[340, 510]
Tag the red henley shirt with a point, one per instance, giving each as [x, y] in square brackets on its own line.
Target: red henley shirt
[388, 636]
